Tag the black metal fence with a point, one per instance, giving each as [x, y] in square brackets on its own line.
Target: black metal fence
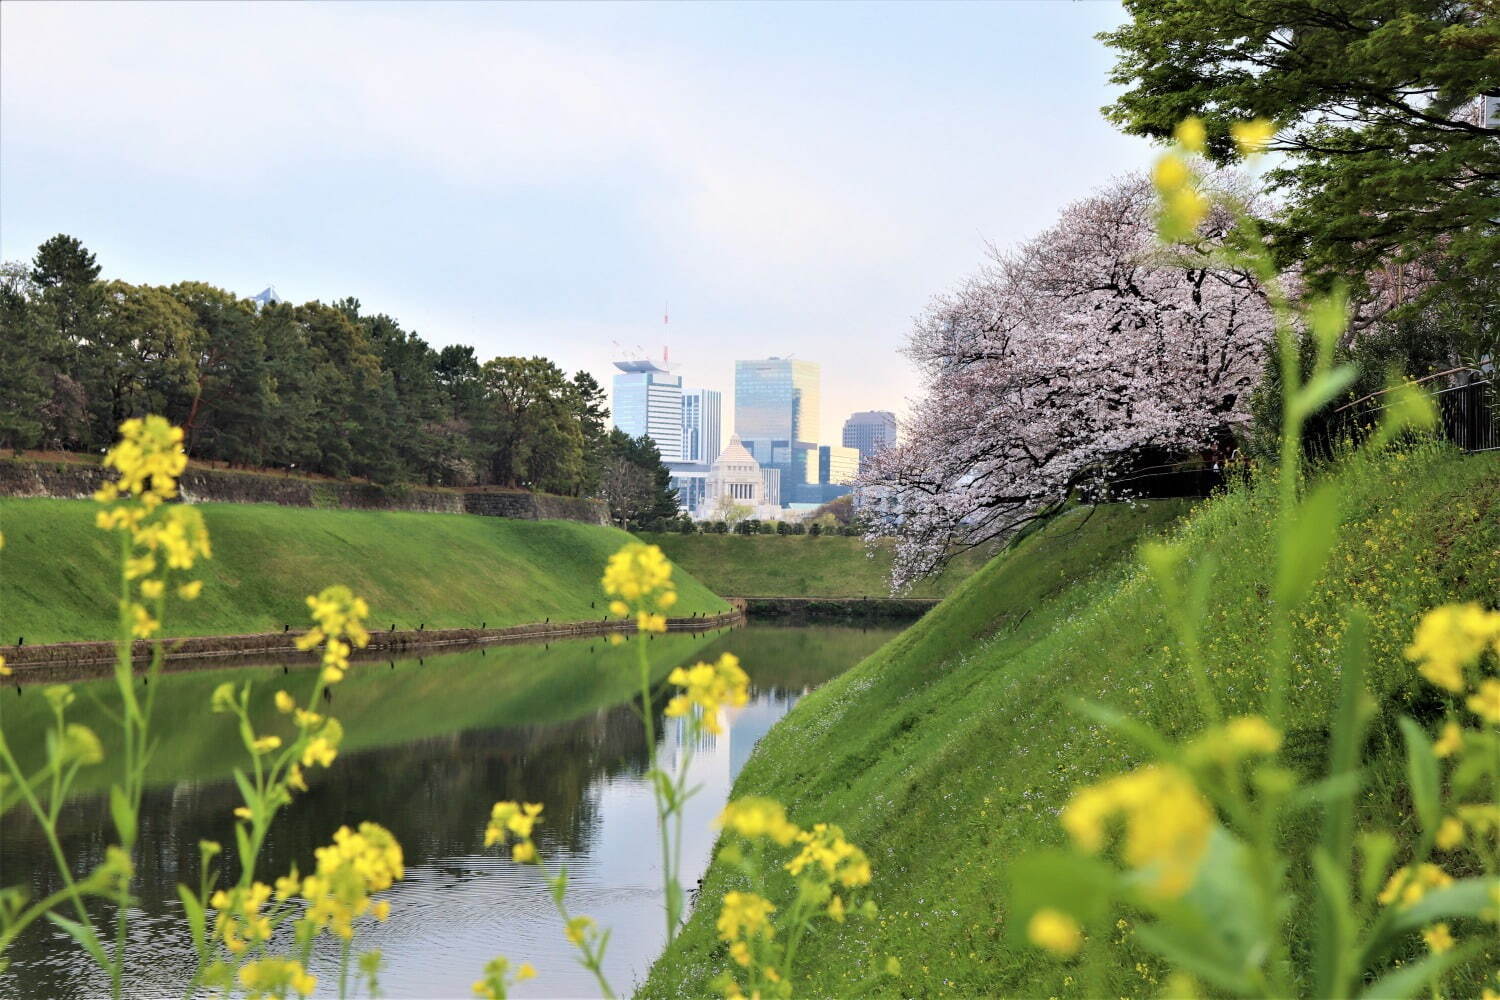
[1468, 410]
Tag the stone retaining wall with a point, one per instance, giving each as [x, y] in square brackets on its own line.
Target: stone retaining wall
[61, 661]
[68, 480]
[892, 608]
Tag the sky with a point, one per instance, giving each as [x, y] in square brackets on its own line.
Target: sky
[779, 179]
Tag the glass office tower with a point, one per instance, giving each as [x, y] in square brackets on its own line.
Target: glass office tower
[777, 399]
[648, 400]
[701, 418]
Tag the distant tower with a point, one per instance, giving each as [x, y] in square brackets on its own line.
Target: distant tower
[267, 297]
[869, 431]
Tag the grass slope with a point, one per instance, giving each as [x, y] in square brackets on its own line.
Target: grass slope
[952, 749]
[57, 571]
[799, 565]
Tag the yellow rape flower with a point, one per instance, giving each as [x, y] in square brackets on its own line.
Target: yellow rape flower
[639, 578]
[1449, 638]
[1438, 938]
[1450, 742]
[272, 977]
[1450, 833]
[1236, 739]
[320, 751]
[357, 864]
[189, 591]
[1167, 823]
[710, 687]
[4, 670]
[285, 702]
[1486, 702]
[1055, 931]
[1191, 134]
[152, 589]
[142, 625]
[744, 914]
[757, 817]
[1411, 885]
[265, 744]
[1252, 137]
[578, 930]
[824, 847]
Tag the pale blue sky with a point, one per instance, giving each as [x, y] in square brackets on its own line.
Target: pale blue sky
[792, 178]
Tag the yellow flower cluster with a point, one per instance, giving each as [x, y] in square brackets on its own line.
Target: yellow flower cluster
[1183, 206]
[354, 866]
[1167, 823]
[709, 686]
[272, 977]
[340, 616]
[1451, 638]
[1247, 736]
[513, 820]
[498, 978]
[639, 578]
[1409, 886]
[239, 922]
[1055, 931]
[753, 818]
[824, 847]
[149, 458]
[745, 915]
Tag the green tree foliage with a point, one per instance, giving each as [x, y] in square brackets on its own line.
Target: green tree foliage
[1375, 104]
[315, 387]
[635, 483]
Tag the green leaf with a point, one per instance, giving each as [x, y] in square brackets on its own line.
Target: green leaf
[197, 922]
[1074, 884]
[84, 936]
[1335, 922]
[1335, 928]
[1217, 920]
[1410, 980]
[1321, 388]
[1311, 531]
[1376, 850]
[1138, 732]
[247, 790]
[1422, 773]
[1327, 317]
[1187, 952]
[1465, 898]
[123, 815]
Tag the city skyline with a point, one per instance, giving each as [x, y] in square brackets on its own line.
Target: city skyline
[783, 198]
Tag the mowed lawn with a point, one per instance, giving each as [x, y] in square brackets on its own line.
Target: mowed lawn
[59, 574]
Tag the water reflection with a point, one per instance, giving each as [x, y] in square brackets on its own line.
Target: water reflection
[429, 749]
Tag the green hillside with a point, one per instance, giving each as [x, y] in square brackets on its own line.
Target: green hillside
[951, 750]
[799, 565]
[58, 574]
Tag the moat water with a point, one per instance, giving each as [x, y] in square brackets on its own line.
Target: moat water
[430, 744]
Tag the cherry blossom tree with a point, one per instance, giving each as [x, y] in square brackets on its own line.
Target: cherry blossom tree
[1060, 365]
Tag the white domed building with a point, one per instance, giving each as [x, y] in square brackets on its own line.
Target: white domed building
[735, 479]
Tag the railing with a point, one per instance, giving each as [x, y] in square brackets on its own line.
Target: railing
[1467, 412]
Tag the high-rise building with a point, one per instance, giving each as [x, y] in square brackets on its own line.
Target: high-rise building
[837, 465]
[868, 432]
[648, 400]
[777, 399]
[701, 425]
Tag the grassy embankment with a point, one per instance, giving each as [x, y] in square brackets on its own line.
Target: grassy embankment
[799, 565]
[58, 573]
[951, 750]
